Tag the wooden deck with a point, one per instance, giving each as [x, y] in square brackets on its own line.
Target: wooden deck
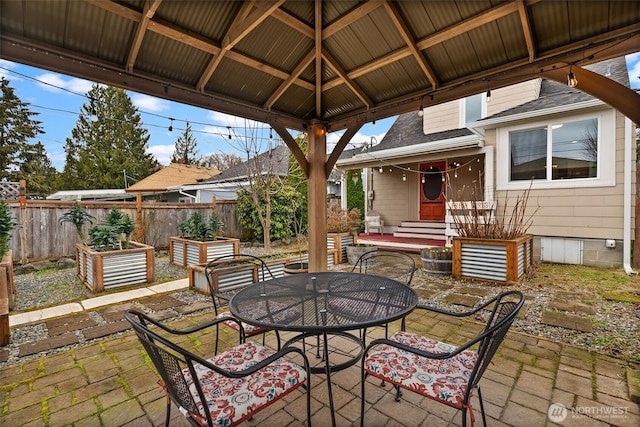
[388, 240]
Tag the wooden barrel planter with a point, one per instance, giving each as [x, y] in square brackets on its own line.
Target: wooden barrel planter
[436, 260]
[296, 267]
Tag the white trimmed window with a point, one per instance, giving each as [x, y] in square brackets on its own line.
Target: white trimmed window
[570, 152]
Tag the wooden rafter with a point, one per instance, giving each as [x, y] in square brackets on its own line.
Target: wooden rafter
[526, 30]
[346, 80]
[318, 56]
[147, 14]
[251, 15]
[401, 26]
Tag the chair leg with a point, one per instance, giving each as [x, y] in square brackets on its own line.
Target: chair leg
[398, 393]
[278, 338]
[168, 416]
[217, 338]
[484, 418]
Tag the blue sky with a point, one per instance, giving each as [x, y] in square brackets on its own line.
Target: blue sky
[58, 98]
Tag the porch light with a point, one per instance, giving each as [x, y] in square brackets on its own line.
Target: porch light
[571, 78]
[355, 177]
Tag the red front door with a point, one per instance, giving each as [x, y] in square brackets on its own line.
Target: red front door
[432, 190]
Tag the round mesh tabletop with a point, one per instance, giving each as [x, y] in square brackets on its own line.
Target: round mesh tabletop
[323, 302]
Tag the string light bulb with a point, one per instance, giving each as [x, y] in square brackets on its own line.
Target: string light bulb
[229, 127]
[421, 110]
[571, 78]
[380, 169]
[404, 176]
[423, 178]
[488, 95]
[170, 129]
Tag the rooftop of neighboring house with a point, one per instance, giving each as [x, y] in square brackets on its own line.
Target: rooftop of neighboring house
[275, 160]
[407, 129]
[170, 176]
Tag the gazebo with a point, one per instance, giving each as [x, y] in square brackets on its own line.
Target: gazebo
[323, 65]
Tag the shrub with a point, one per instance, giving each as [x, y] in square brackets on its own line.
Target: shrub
[194, 227]
[113, 233]
[340, 220]
[77, 216]
[7, 225]
[473, 221]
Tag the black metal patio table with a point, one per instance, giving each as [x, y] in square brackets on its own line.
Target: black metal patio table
[322, 304]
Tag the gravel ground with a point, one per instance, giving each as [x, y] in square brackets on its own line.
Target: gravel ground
[616, 324]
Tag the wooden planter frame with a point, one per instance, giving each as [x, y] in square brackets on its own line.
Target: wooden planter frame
[185, 252]
[198, 281]
[340, 241]
[112, 269]
[491, 259]
[7, 296]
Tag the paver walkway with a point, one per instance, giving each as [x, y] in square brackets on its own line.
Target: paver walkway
[110, 382]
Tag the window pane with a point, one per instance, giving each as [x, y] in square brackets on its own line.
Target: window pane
[528, 151]
[473, 108]
[575, 149]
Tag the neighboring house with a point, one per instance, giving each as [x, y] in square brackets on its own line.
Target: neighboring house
[164, 185]
[579, 151]
[226, 185]
[106, 195]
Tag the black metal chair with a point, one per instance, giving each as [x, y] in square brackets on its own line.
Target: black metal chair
[227, 274]
[391, 263]
[229, 387]
[443, 372]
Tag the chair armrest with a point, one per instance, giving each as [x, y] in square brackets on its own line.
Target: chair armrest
[196, 328]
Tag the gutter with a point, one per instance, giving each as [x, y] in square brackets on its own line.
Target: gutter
[626, 245]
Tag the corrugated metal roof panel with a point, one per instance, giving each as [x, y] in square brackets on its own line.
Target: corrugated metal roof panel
[170, 59]
[276, 44]
[242, 82]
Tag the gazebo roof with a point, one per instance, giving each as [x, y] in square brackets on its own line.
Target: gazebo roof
[339, 62]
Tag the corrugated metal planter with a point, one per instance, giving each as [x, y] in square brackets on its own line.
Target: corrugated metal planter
[233, 279]
[112, 269]
[339, 241]
[492, 260]
[185, 252]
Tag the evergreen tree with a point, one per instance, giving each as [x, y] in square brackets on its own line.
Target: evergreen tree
[100, 152]
[37, 170]
[16, 127]
[186, 151]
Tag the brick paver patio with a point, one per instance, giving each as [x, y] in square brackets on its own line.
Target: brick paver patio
[112, 383]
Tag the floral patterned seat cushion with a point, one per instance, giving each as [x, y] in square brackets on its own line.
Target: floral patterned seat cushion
[275, 312]
[232, 400]
[442, 380]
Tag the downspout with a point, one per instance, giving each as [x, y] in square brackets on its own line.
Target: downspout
[195, 198]
[627, 194]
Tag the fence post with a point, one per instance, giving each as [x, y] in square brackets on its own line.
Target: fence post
[23, 221]
[214, 204]
[139, 230]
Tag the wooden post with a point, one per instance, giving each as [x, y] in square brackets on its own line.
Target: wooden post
[317, 193]
[214, 204]
[138, 233]
[5, 331]
[23, 221]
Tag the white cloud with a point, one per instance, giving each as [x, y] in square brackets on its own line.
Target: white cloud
[162, 153]
[57, 83]
[633, 65]
[4, 73]
[149, 103]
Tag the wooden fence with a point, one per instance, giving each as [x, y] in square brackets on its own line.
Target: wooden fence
[41, 236]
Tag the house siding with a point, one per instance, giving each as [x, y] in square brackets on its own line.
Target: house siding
[584, 213]
[508, 97]
[395, 197]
